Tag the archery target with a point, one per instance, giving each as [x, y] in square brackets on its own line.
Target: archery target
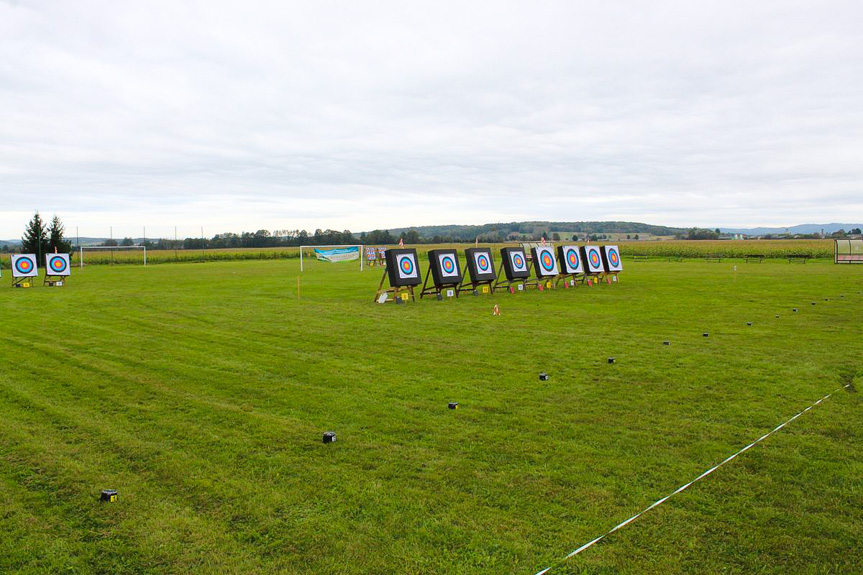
[480, 264]
[611, 258]
[24, 266]
[445, 267]
[544, 261]
[514, 263]
[593, 259]
[57, 265]
[402, 267]
[570, 259]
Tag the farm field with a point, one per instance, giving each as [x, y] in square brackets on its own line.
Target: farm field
[692, 249]
[200, 392]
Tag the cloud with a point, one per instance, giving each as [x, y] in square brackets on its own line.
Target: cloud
[305, 115]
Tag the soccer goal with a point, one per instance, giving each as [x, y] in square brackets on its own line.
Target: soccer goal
[334, 253]
[111, 250]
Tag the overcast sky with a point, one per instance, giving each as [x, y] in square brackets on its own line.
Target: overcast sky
[360, 115]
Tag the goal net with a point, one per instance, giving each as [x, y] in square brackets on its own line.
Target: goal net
[112, 255]
[333, 253]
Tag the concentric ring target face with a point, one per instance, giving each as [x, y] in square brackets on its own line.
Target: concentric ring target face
[24, 265]
[57, 264]
[547, 263]
[482, 263]
[448, 265]
[518, 263]
[407, 267]
[572, 258]
[613, 258]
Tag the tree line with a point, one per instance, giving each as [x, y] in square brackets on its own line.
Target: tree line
[41, 239]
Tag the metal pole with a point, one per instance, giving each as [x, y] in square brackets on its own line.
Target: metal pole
[301, 258]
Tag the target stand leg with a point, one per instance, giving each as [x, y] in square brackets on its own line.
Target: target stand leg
[54, 281]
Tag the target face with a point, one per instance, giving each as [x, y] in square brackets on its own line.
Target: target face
[612, 259]
[57, 265]
[448, 266]
[24, 266]
[594, 259]
[546, 264]
[519, 264]
[407, 266]
[482, 263]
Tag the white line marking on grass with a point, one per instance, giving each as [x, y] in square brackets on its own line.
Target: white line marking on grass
[683, 487]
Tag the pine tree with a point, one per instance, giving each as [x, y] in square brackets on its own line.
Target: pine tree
[35, 240]
[57, 243]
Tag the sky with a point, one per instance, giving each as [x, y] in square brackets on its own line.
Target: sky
[240, 116]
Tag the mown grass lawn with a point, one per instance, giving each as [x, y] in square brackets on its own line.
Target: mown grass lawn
[201, 391]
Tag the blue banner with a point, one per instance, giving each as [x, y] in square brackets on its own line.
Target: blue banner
[338, 254]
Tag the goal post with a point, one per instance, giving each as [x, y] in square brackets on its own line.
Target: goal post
[107, 248]
[345, 255]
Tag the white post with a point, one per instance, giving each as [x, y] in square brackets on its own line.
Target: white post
[80, 255]
[301, 258]
[145, 255]
[362, 256]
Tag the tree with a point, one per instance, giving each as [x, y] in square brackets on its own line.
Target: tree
[110, 243]
[127, 242]
[35, 239]
[57, 242]
[636, 236]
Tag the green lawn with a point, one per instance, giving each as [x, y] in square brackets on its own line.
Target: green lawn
[201, 391]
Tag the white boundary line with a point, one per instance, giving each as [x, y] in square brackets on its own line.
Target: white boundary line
[681, 488]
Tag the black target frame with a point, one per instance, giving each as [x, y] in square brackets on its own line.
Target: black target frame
[514, 278]
[441, 282]
[476, 279]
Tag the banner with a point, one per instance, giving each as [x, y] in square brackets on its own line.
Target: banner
[338, 254]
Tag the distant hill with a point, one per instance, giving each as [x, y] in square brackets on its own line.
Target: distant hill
[799, 229]
[502, 231]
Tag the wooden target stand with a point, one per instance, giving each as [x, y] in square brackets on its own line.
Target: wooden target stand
[477, 287]
[22, 282]
[437, 289]
[595, 278]
[399, 294]
[509, 285]
[54, 281]
[546, 282]
[569, 280]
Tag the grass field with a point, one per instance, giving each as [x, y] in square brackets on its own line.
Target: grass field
[201, 391]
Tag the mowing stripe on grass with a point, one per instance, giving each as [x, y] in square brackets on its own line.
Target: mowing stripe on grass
[683, 487]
